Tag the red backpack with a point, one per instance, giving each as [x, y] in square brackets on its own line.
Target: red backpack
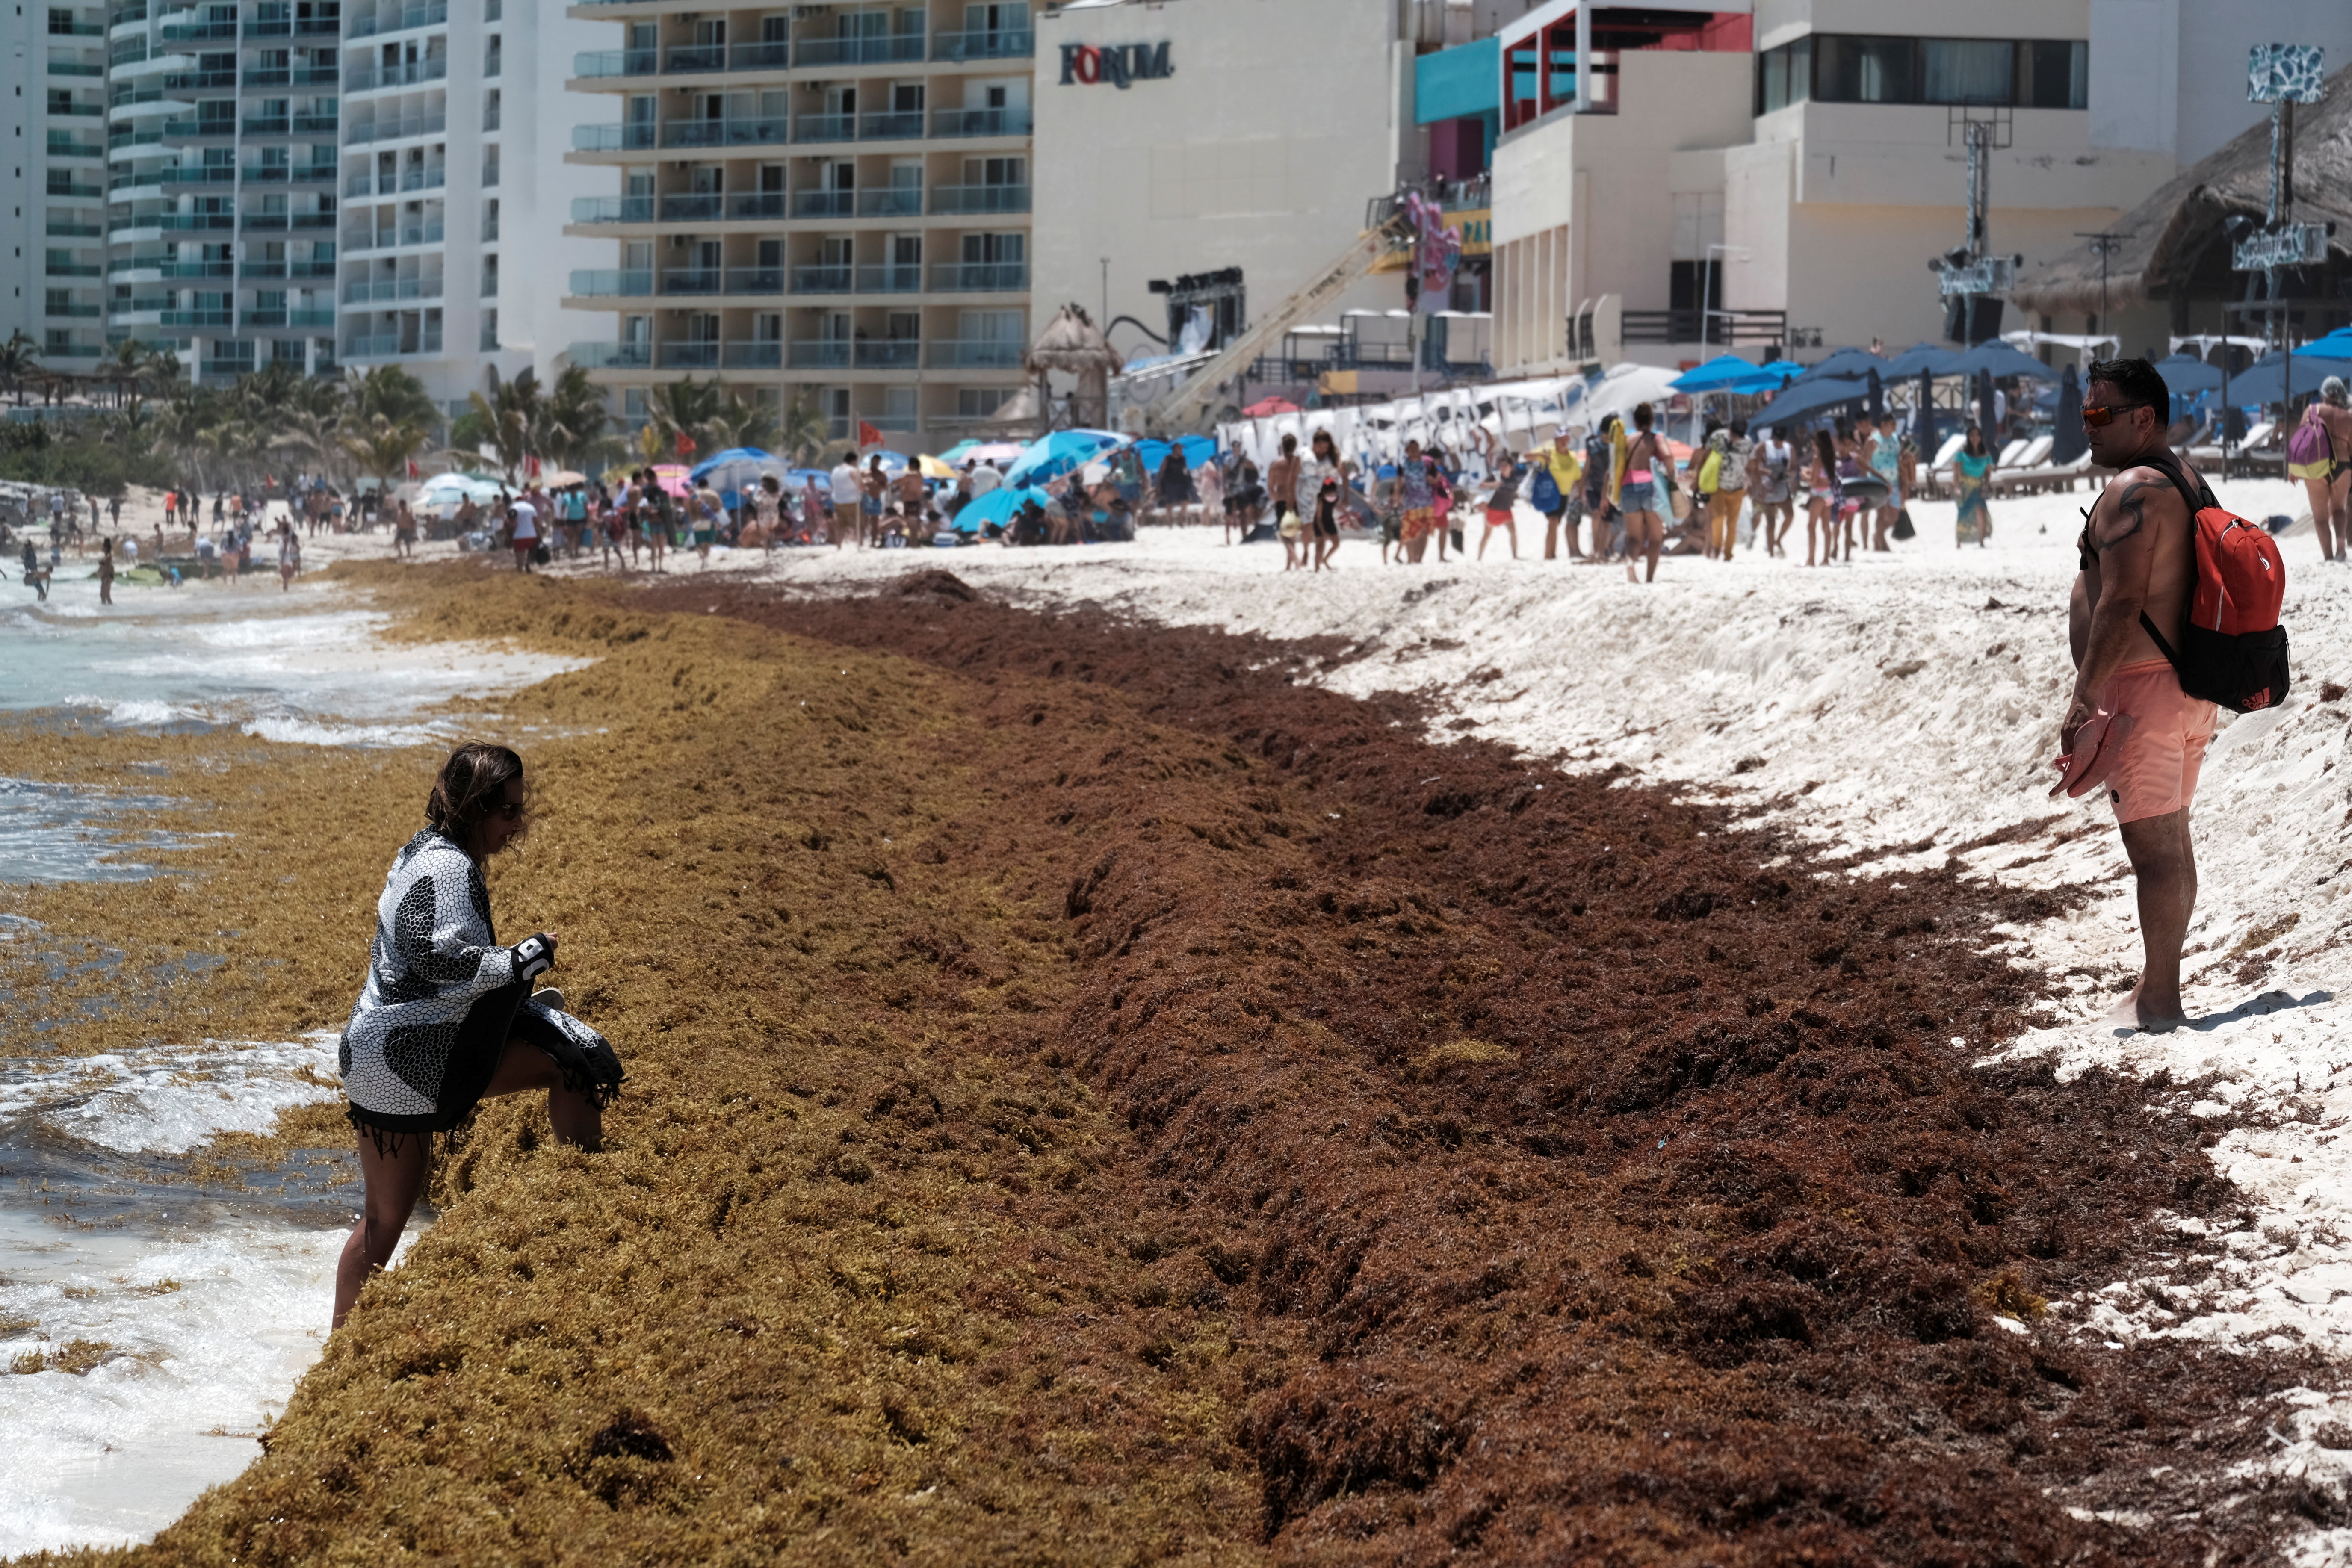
[2233, 651]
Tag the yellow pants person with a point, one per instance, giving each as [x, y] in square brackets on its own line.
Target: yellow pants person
[1723, 522]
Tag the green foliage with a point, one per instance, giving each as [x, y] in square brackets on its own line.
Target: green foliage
[100, 456]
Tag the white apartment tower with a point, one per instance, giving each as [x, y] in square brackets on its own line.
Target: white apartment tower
[832, 199]
[54, 189]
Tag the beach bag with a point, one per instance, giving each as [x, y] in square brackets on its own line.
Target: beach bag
[2233, 651]
[540, 556]
[1544, 494]
[1903, 529]
[1710, 473]
[2309, 444]
[1678, 500]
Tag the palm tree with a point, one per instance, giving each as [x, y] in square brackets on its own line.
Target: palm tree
[683, 407]
[393, 393]
[510, 422]
[801, 433]
[576, 419]
[383, 448]
[19, 362]
[739, 423]
[124, 367]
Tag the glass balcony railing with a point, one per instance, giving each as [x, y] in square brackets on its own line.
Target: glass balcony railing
[693, 281]
[973, 353]
[685, 58]
[824, 203]
[395, 127]
[612, 356]
[749, 133]
[958, 199]
[863, 51]
[888, 354]
[820, 354]
[187, 223]
[980, 277]
[392, 239]
[751, 206]
[615, 62]
[756, 280]
[825, 127]
[386, 346]
[72, 230]
[396, 20]
[287, 319]
[900, 278]
[607, 283]
[890, 125]
[994, 44]
[410, 73]
[384, 290]
[697, 207]
[980, 123]
[71, 312]
[765, 55]
[612, 209]
[890, 200]
[754, 354]
[199, 319]
[687, 356]
[825, 278]
[271, 271]
[612, 138]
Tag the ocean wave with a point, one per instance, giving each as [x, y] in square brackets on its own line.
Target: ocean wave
[293, 730]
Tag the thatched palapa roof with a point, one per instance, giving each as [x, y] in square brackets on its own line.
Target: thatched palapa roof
[1072, 343]
[2173, 245]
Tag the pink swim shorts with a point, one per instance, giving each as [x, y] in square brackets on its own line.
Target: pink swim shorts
[2157, 773]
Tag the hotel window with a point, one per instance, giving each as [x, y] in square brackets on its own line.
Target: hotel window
[1835, 68]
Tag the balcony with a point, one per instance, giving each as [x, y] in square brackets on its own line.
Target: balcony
[62, 145]
[751, 207]
[824, 203]
[688, 356]
[980, 123]
[312, 125]
[866, 51]
[766, 55]
[959, 199]
[386, 290]
[755, 281]
[820, 354]
[723, 132]
[71, 312]
[286, 319]
[612, 138]
[612, 209]
[134, 12]
[262, 223]
[76, 68]
[756, 353]
[826, 127]
[200, 129]
[890, 200]
[316, 27]
[692, 57]
[612, 283]
[315, 219]
[367, 78]
[190, 175]
[187, 223]
[197, 318]
[999, 44]
[386, 346]
[289, 175]
[612, 356]
[71, 29]
[700, 208]
[888, 353]
[824, 279]
[271, 126]
[189, 270]
[198, 32]
[395, 129]
[78, 111]
[980, 277]
[900, 278]
[598, 63]
[890, 125]
[692, 280]
[71, 350]
[399, 21]
[74, 189]
[261, 79]
[1729, 328]
[392, 239]
[73, 230]
[974, 353]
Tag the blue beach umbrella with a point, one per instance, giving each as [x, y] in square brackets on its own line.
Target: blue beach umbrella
[1806, 399]
[2003, 359]
[1926, 414]
[1847, 365]
[2067, 441]
[1784, 371]
[2187, 375]
[1933, 358]
[1051, 457]
[998, 506]
[1726, 372]
[1877, 395]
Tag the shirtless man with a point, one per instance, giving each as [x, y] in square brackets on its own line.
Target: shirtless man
[1282, 489]
[2139, 563]
[2327, 482]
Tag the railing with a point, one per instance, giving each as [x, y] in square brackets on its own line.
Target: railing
[1684, 326]
[900, 278]
[198, 32]
[200, 126]
[315, 124]
[948, 199]
[388, 288]
[825, 278]
[70, 269]
[684, 57]
[692, 280]
[890, 125]
[259, 77]
[60, 29]
[864, 51]
[71, 188]
[189, 222]
[134, 12]
[74, 68]
[755, 281]
[1002, 44]
[824, 126]
[315, 219]
[70, 351]
[819, 353]
[257, 271]
[612, 138]
[185, 269]
[697, 207]
[319, 27]
[746, 206]
[79, 111]
[285, 319]
[385, 345]
[389, 238]
[979, 277]
[71, 311]
[145, 307]
[609, 282]
[595, 63]
[366, 26]
[688, 356]
[74, 230]
[64, 146]
[289, 173]
[271, 126]
[612, 356]
[395, 129]
[367, 78]
[199, 319]
[762, 55]
[262, 221]
[754, 354]
[890, 200]
[974, 353]
[148, 138]
[980, 123]
[723, 132]
[824, 203]
[889, 353]
[612, 209]
[126, 51]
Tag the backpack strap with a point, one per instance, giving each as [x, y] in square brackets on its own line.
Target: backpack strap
[2197, 499]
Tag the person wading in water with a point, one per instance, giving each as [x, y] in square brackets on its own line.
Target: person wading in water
[2139, 563]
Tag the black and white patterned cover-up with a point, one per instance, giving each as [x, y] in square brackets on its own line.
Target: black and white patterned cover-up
[441, 1001]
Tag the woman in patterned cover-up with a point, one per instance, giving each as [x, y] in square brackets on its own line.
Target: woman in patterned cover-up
[446, 1018]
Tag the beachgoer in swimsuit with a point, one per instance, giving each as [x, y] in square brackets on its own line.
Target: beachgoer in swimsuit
[2327, 483]
[1502, 502]
[2138, 569]
[1827, 502]
[1972, 471]
[1281, 485]
[1331, 474]
[1641, 494]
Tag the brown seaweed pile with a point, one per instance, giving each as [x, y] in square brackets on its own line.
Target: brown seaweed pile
[1102, 1102]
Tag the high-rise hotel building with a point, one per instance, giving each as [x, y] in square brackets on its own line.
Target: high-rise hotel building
[832, 199]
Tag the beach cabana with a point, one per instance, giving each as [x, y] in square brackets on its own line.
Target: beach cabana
[1073, 345]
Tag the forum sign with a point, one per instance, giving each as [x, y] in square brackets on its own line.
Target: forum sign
[1120, 64]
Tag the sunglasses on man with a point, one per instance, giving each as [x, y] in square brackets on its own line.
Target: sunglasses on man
[2097, 415]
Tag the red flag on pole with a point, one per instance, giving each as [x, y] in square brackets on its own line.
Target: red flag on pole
[869, 437]
[412, 468]
[684, 445]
